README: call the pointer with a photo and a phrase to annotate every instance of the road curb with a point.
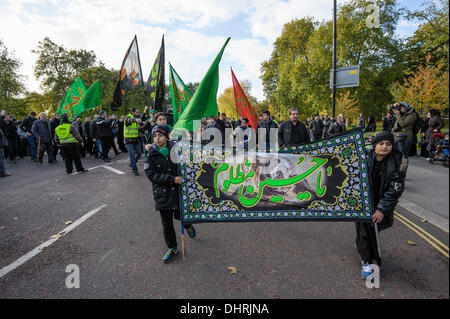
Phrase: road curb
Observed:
(423, 213)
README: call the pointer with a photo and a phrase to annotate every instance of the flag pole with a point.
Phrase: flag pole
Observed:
(182, 240)
(378, 239)
(37, 155)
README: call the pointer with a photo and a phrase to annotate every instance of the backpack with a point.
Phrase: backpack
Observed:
(419, 123)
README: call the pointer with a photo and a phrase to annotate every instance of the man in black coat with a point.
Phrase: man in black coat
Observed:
(387, 185)
(388, 122)
(27, 124)
(292, 132)
(268, 124)
(54, 123)
(316, 127)
(103, 132)
(163, 173)
(337, 127)
(10, 133)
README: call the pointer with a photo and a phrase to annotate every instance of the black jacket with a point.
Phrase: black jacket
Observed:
(336, 129)
(392, 185)
(316, 127)
(161, 171)
(102, 128)
(27, 124)
(285, 130)
(268, 126)
(388, 123)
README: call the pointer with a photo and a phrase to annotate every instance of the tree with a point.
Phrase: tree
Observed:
(227, 103)
(298, 75)
(425, 89)
(11, 82)
(57, 67)
(346, 105)
(430, 38)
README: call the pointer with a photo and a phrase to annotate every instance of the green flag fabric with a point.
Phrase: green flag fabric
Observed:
(179, 92)
(92, 98)
(204, 101)
(72, 100)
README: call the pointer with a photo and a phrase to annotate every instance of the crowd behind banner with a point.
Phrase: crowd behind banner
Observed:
(35, 135)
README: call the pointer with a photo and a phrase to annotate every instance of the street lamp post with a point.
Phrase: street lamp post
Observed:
(333, 103)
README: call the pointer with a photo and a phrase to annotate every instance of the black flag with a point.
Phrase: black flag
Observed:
(130, 75)
(154, 88)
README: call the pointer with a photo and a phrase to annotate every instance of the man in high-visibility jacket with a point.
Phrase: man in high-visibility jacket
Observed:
(68, 138)
(131, 138)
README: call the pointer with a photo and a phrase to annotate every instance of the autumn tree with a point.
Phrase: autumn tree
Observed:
(425, 89)
(226, 101)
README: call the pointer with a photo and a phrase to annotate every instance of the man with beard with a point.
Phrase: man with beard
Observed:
(292, 132)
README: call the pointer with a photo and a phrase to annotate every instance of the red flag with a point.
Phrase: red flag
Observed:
(243, 106)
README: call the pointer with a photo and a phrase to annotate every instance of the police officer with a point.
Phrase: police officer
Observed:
(68, 137)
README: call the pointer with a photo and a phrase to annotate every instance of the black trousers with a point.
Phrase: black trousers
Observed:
(121, 144)
(107, 143)
(167, 217)
(45, 147)
(71, 153)
(366, 242)
(89, 146)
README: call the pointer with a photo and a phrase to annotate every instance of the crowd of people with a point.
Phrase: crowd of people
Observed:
(149, 133)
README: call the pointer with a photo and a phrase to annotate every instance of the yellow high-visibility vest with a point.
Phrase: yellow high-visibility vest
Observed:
(64, 135)
(131, 131)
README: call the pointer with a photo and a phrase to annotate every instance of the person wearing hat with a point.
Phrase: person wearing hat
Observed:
(67, 137)
(387, 183)
(163, 173)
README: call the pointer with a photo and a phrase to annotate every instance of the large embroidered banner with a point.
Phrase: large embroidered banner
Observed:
(326, 180)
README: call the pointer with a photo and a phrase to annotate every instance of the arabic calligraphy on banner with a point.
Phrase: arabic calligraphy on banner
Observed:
(326, 180)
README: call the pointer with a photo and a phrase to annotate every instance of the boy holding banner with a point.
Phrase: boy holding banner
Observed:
(163, 173)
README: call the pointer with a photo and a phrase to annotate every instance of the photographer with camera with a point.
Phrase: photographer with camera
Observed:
(405, 120)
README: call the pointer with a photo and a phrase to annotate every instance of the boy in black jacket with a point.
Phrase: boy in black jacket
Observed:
(163, 173)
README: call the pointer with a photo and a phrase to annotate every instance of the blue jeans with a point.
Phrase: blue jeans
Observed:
(32, 144)
(403, 146)
(134, 152)
(2, 161)
(98, 143)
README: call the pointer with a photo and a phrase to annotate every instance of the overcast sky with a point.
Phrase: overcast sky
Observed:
(194, 30)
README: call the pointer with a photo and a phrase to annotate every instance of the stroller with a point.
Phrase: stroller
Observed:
(441, 153)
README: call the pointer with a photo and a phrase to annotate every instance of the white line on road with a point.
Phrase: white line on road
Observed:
(113, 170)
(41, 247)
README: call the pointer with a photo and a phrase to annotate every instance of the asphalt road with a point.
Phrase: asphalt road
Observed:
(118, 249)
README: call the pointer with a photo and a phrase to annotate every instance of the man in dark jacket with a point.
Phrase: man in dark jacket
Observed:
(292, 132)
(326, 125)
(42, 131)
(337, 127)
(54, 123)
(163, 173)
(387, 185)
(388, 122)
(120, 137)
(267, 124)
(169, 115)
(2, 155)
(316, 127)
(10, 133)
(27, 124)
(104, 133)
(88, 143)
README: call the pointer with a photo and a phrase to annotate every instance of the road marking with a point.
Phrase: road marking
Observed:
(107, 254)
(103, 165)
(113, 170)
(421, 235)
(423, 231)
(41, 247)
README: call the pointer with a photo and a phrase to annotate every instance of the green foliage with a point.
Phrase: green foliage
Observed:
(11, 82)
(298, 72)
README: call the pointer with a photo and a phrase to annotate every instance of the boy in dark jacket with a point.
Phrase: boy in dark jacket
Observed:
(387, 185)
(163, 173)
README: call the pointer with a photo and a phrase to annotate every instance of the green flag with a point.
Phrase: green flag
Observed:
(92, 98)
(179, 92)
(72, 100)
(204, 101)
